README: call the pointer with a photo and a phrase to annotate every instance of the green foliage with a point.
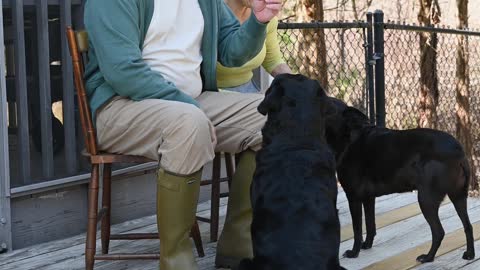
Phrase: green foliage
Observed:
(345, 81)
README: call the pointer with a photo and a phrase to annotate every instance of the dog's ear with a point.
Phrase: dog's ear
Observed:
(272, 100)
(329, 105)
(337, 104)
(354, 118)
(320, 90)
(333, 107)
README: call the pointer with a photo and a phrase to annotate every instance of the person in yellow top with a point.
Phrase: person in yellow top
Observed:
(239, 79)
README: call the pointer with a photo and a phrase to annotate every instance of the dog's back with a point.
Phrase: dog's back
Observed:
(398, 161)
(374, 161)
(295, 222)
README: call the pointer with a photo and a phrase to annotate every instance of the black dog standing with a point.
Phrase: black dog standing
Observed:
(295, 222)
(374, 161)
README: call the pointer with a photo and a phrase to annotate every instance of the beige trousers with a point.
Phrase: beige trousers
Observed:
(179, 134)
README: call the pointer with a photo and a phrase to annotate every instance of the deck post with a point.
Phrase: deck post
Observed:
(5, 214)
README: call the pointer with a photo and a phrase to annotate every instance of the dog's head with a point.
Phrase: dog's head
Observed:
(344, 126)
(355, 119)
(335, 125)
(295, 104)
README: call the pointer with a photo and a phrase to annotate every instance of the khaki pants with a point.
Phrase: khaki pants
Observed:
(178, 134)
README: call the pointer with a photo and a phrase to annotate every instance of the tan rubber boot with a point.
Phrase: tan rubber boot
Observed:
(177, 198)
(235, 242)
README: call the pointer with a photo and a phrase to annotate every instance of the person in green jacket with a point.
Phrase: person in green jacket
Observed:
(151, 84)
(239, 79)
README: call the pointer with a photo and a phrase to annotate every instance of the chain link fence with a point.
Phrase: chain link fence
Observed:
(336, 55)
(341, 69)
(403, 65)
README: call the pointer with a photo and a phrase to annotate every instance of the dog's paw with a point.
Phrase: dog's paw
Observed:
(468, 255)
(367, 245)
(424, 258)
(350, 254)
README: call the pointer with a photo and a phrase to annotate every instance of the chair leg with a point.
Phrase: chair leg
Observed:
(92, 219)
(106, 204)
(197, 238)
(215, 200)
(229, 167)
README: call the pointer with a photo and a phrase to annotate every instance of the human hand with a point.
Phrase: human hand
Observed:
(265, 10)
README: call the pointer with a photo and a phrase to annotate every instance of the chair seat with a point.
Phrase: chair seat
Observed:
(103, 158)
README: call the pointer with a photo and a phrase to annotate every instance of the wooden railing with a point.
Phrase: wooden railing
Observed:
(39, 73)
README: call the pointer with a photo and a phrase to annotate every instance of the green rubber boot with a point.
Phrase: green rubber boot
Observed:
(177, 198)
(235, 242)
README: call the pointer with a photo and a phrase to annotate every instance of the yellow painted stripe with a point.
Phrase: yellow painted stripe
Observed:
(407, 259)
(387, 218)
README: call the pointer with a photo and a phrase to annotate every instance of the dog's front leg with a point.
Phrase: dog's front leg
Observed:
(356, 213)
(369, 209)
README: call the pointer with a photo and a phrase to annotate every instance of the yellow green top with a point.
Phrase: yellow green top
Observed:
(269, 57)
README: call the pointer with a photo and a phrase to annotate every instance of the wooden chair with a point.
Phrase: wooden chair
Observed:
(78, 44)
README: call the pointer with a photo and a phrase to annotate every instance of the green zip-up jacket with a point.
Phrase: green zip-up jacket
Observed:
(117, 29)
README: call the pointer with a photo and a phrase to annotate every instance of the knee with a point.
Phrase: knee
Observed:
(187, 144)
(194, 126)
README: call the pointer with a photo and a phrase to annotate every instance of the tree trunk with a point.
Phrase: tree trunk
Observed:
(354, 9)
(312, 49)
(429, 14)
(463, 91)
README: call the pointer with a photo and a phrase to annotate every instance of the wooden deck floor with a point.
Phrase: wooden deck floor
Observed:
(402, 235)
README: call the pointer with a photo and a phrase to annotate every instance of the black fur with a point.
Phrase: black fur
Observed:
(373, 161)
(295, 222)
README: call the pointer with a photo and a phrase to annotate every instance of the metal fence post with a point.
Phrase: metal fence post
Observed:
(379, 42)
(5, 214)
(369, 68)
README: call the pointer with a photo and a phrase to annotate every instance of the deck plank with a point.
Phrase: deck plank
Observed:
(475, 265)
(407, 259)
(70, 251)
(409, 233)
(46, 249)
(383, 204)
(453, 260)
(68, 254)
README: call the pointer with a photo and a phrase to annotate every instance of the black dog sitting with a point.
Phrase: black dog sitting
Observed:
(295, 223)
(374, 161)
